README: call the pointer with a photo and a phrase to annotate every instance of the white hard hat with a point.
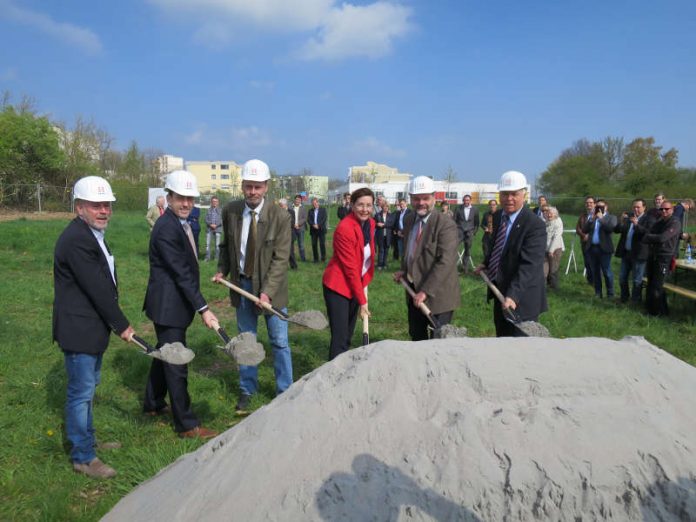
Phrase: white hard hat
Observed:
(421, 185)
(93, 188)
(255, 170)
(183, 183)
(512, 180)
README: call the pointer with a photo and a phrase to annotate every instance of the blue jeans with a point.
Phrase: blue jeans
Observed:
(601, 265)
(637, 268)
(84, 373)
(247, 320)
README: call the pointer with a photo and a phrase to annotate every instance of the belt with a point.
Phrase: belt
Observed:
(242, 276)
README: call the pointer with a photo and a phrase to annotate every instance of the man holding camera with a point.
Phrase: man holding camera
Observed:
(633, 253)
(599, 228)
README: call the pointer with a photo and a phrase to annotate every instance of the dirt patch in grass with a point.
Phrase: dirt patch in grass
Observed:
(13, 215)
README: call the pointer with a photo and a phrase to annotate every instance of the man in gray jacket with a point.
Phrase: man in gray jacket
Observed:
(429, 260)
(599, 229)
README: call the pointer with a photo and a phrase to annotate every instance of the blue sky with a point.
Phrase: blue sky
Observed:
(482, 86)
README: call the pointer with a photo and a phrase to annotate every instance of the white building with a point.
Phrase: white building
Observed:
(452, 192)
(168, 163)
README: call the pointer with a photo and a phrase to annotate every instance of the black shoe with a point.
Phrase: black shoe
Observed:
(243, 405)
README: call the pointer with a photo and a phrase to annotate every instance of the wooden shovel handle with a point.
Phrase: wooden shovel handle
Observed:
(366, 325)
(424, 308)
(221, 332)
(510, 314)
(269, 307)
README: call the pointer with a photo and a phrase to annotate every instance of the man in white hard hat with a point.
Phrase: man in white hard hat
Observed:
(85, 312)
(254, 254)
(172, 300)
(429, 261)
(515, 263)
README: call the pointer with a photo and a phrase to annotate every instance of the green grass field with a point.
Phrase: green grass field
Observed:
(36, 480)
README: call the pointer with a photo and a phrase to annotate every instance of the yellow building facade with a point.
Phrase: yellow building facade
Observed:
(217, 176)
(376, 173)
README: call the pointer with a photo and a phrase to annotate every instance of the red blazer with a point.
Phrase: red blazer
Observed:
(342, 274)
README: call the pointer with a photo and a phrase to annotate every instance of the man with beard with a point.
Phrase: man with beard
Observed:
(429, 262)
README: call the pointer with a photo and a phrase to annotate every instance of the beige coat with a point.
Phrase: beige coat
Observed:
(153, 214)
(272, 255)
(434, 266)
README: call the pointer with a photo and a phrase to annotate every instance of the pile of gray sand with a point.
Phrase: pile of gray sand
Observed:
(453, 429)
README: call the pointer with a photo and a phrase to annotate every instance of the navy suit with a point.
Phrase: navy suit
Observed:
(173, 296)
(318, 235)
(521, 273)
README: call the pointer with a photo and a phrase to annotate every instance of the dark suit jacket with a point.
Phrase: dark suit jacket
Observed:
(173, 291)
(521, 276)
(606, 228)
(302, 221)
(383, 234)
(321, 221)
(85, 305)
(639, 251)
(467, 227)
(434, 265)
(396, 217)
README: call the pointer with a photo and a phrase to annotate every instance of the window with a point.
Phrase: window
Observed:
(224, 166)
(213, 176)
(451, 195)
(225, 187)
(224, 176)
(213, 186)
(213, 166)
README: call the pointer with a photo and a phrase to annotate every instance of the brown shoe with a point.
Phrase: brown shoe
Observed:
(158, 413)
(199, 432)
(95, 468)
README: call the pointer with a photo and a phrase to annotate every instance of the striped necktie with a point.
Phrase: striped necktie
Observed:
(189, 234)
(496, 256)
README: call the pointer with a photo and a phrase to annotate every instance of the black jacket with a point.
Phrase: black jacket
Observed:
(85, 305)
(639, 250)
(606, 228)
(321, 221)
(173, 291)
(663, 237)
(521, 276)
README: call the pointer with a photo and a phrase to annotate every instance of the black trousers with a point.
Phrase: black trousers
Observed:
(418, 323)
(655, 297)
(343, 313)
(173, 378)
(318, 236)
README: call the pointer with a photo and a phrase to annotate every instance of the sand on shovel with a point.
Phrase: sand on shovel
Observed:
(449, 331)
(245, 350)
(173, 353)
(513, 429)
(311, 319)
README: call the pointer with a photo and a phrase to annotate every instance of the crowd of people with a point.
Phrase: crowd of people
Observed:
(253, 242)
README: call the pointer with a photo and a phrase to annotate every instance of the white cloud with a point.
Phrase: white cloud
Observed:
(359, 31)
(238, 141)
(80, 37)
(261, 85)
(194, 138)
(339, 30)
(247, 138)
(372, 146)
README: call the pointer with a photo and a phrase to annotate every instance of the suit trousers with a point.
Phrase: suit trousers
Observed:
(298, 236)
(318, 237)
(601, 265)
(655, 297)
(343, 314)
(418, 323)
(467, 240)
(173, 378)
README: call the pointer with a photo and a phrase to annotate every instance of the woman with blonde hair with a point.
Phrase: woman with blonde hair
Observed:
(554, 246)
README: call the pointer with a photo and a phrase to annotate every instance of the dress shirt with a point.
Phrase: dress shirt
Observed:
(99, 235)
(246, 222)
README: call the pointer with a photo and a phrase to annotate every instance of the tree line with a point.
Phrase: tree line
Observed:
(37, 153)
(611, 168)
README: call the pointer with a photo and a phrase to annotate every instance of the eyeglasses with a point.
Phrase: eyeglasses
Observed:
(367, 206)
(665, 209)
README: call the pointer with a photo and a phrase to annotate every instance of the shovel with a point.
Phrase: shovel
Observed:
(172, 353)
(445, 331)
(366, 326)
(524, 328)
(243, 349)
(311, 318)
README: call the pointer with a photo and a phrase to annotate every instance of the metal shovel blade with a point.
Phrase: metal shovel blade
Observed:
(245, 350)
(173, 353)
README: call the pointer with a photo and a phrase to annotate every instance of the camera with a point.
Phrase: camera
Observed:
(631, 215)
(598, 209)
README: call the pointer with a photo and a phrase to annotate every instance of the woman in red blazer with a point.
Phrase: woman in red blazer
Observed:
(350, 270)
